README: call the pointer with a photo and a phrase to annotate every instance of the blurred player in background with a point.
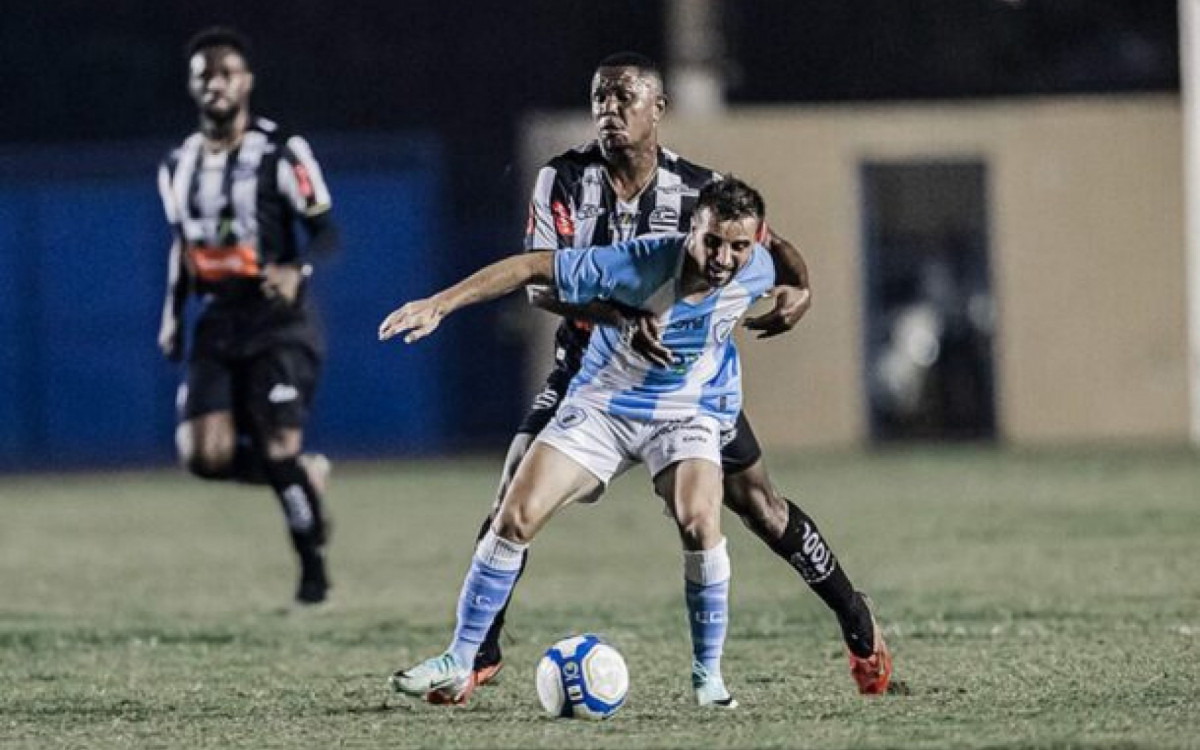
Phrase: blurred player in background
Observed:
(624, 185)
(233, 193)
(622, 409)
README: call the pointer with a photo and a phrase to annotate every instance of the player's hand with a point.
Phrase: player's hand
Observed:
(281, 282)
(646, 340)
(170, 340)
(791, 302)
(416, 320)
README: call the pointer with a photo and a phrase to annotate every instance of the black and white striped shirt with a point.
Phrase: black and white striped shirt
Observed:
(574, 205)
(236, 210)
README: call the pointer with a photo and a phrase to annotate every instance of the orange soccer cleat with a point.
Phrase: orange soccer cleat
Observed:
(872, 674)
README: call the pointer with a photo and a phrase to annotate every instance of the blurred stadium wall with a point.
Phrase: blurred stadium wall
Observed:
(1084, 226)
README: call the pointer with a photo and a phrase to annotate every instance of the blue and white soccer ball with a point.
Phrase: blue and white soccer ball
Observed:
(582, 677)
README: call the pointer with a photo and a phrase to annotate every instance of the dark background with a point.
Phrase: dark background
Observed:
(455, 78)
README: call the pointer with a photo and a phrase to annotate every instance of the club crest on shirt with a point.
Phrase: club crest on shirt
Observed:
(724, 329)
(589, 211)
(664, 219)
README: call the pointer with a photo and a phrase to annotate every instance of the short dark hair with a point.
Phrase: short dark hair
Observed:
(629, 60)
(732, 199)
(644, 64)
(219, 36)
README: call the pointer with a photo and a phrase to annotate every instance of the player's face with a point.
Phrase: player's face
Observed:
(219, 82)
(719, 249)
(626, 108)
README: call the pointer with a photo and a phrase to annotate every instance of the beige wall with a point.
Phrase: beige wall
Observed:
(1086, 232)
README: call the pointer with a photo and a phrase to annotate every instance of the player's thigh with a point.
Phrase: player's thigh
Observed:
(517, 449)
(276, 393)
(684, 457)
(206, 431)
(740, 449)
(541, 412)
(546, 480)
(692, 491)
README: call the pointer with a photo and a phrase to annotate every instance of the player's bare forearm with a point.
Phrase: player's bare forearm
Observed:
(420, 318)
(790, 268)
(792, 293)
(499, 278)
(177, 280)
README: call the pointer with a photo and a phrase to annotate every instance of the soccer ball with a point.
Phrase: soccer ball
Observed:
(582, 677)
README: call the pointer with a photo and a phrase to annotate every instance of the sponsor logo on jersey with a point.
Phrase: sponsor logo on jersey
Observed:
(689, 324)
(563, 223)
(303, 181)
(589, 211)
(223, 262)
(664, 219)
(678, 189)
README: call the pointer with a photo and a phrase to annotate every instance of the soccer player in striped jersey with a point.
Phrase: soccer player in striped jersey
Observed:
(233, 193)
(625, 184)
(622, 409)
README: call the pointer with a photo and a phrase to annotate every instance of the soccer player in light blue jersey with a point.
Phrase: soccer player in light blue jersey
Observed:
(620, 410)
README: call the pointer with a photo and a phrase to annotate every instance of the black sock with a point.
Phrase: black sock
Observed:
(489, 650)
(305, 518)
(805, 549)
(248, 464)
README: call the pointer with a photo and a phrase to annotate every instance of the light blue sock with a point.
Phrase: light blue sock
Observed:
(706, 585)
(493, 573)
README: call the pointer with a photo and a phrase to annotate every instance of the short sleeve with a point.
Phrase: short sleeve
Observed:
(300, 179)
(628, 272)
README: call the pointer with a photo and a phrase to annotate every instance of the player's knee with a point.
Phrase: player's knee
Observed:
(208, 464)
(514, 524)
(699, 530)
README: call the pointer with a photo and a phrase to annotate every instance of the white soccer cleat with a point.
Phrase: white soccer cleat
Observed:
(710, 689)
(442, 679)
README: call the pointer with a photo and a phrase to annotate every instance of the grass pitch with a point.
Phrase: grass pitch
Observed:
(1031, 601)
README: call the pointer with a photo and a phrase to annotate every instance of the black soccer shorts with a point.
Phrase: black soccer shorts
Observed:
(268, 391)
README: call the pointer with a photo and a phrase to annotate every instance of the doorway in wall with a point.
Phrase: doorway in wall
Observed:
(929, 304)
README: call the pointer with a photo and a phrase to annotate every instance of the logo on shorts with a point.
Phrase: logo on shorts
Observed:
(281, 393)
(571, 416)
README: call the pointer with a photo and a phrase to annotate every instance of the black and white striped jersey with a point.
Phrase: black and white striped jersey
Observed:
(236, 210)
(574, 205)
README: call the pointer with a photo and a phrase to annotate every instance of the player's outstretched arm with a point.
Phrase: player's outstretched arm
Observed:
(418, 319)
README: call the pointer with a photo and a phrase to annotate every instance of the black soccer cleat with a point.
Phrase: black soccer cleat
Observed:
(488, 663)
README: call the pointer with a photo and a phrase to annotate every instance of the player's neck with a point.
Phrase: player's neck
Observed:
(693, 285)
(223, 135)
(631, 171)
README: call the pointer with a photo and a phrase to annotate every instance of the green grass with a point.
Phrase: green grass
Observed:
(1048, 600)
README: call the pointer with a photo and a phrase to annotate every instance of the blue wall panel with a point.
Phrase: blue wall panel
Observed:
(101, 281)
(377, 397)
(83, 249)
(12, 324)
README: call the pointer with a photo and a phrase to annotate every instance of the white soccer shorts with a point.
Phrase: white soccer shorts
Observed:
(607, 445)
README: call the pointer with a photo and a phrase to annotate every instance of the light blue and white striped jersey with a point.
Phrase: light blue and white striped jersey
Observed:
(644, 273)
